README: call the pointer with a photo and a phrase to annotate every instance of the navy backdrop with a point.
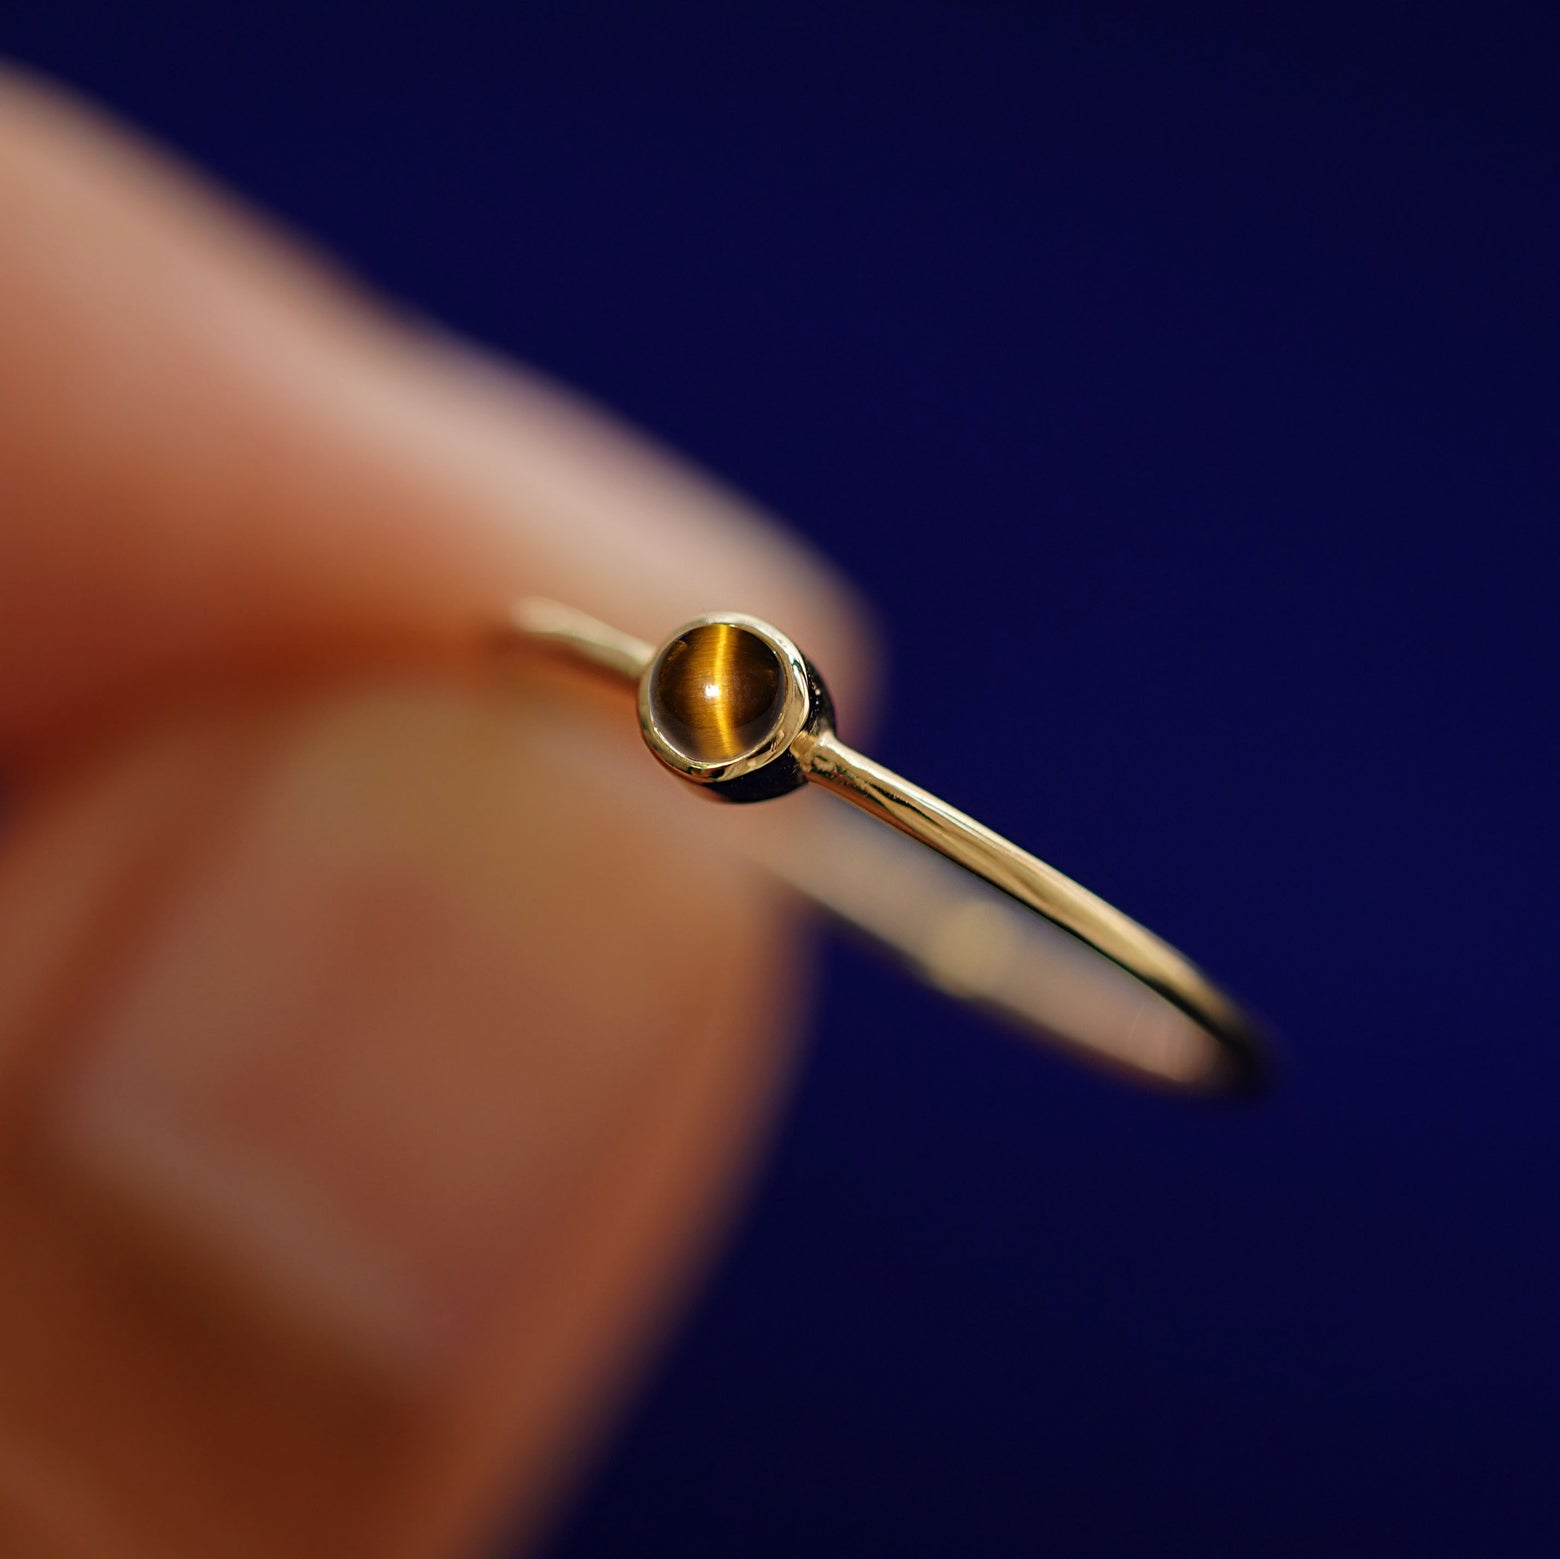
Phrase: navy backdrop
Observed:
(1226, 347)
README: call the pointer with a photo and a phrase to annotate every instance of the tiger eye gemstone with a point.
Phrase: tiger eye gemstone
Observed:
(717, 692)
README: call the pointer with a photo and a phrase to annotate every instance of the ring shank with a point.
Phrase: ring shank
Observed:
(1066, 905)
(978, 945)
(1167, 1023)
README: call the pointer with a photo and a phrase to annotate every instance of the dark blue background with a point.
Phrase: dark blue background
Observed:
(1226, 349)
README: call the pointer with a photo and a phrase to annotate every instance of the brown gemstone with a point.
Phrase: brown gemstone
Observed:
(717, 692)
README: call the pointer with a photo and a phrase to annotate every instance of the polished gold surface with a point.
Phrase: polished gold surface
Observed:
(717, 691)
(1148, 1011)
(724, 697)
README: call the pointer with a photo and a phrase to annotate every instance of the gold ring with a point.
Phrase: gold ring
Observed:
(730, 704)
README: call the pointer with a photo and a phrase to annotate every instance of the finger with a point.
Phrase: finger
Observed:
(297, 1182)
(214, 459)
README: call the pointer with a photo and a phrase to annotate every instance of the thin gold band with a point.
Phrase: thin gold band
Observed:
(1172, 1026)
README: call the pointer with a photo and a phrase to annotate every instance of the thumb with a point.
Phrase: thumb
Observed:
(358, 1120)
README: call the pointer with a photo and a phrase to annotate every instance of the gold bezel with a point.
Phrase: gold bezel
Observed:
(794, 709)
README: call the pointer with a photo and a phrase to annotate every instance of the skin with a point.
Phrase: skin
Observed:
(364, 1109)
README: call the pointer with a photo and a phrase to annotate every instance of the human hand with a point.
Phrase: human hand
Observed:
(378, 1047)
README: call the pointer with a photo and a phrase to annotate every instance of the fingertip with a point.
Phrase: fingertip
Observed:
(230, 462)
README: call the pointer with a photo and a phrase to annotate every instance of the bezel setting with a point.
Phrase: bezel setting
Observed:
(796, 705)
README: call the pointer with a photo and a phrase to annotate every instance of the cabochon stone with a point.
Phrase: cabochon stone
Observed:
(717, 692)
